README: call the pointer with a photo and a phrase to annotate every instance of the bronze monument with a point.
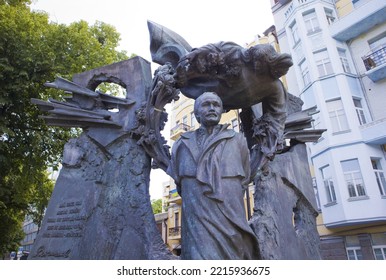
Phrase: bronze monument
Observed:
(100, 207)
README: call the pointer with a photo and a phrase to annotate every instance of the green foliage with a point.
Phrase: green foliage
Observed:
(40, 197)
(156, 205)
(15, 2)
(32, 52)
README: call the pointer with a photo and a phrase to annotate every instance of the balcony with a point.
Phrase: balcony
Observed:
(375, 64)
(176, 131)
(174, 232)
(174, 197)
(359, 21)
(283, 2)
(176, 200)
(374, 133)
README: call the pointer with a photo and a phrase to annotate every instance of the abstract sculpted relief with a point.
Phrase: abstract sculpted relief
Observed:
(108, 167)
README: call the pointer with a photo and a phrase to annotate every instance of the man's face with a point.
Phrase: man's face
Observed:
(210, 110)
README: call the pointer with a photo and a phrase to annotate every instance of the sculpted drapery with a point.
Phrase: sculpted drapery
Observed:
(212, 173)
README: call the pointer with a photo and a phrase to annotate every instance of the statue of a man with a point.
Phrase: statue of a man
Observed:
(211, 169)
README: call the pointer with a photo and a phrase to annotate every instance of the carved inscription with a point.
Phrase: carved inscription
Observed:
(43, 253)
(68, 221)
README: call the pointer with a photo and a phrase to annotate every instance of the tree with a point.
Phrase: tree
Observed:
(32, 52)
(40, 197)
(156, 205)
(14, 2)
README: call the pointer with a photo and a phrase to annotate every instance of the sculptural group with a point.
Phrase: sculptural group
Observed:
(103, 186)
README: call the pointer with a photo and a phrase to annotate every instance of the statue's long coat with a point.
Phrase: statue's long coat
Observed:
(212, 181)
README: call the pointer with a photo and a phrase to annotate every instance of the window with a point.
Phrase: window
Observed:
(295, 33)
(305, 73)
(380, 252)
(329, 16)
(192, 119)
(377, 54)
(355, 1)
(185, 120)
(359, 111)
(315, 187)
(176, 127)
(354, 253)
(235, 125)
(176, 219)
(344, 61)
(323, 63)
(316, 123)
(353, 177)
(311, 21)
(328, 184)
(379, 175)
(337, 116)
(378, 42)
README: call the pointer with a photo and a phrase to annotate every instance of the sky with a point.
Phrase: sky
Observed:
(199, 22)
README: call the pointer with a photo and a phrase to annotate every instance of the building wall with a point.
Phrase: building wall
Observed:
(30, 229)
(375, 92)
(336, 81)
(348, 210)
(344, 7)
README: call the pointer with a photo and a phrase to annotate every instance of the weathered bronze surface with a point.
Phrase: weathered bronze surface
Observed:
(100, 207)
(246, 79)
(211, 169)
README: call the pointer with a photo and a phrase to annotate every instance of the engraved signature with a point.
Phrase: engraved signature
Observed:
(42, 253)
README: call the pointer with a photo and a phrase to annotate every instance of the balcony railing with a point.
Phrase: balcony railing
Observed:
(180, 128)
(375, 64)
(375, 59)
(175, 231)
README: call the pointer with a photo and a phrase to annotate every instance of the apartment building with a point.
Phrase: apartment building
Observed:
(30, 229)
(339, 53)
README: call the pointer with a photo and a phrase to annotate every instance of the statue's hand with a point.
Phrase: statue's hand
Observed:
(180, 76)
